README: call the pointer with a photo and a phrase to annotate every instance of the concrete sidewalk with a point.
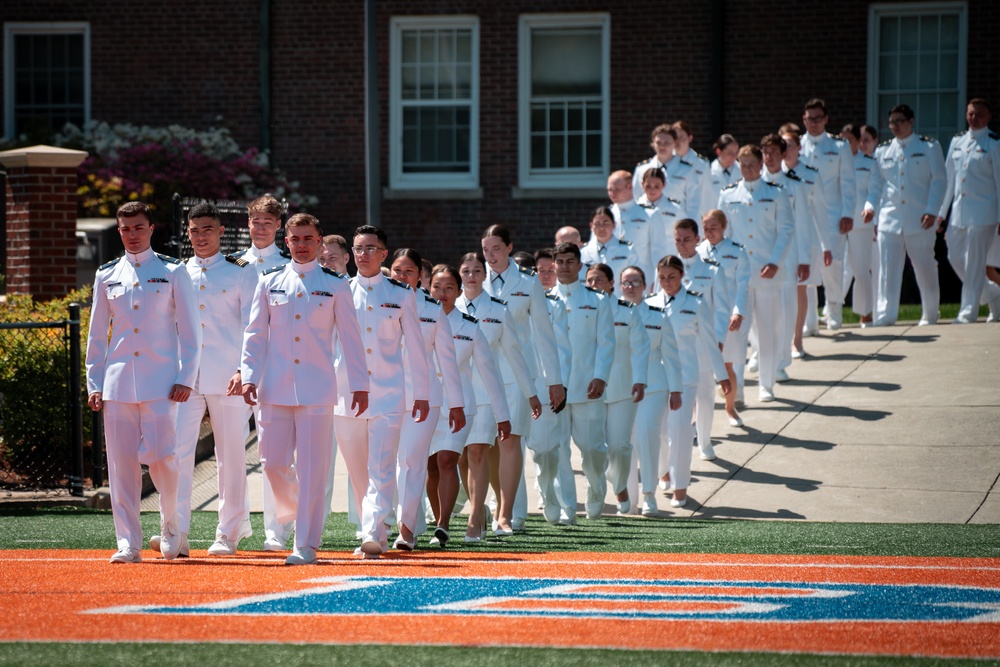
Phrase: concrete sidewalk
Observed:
(898, 424)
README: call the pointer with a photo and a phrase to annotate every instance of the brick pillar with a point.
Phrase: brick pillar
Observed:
(41, 220)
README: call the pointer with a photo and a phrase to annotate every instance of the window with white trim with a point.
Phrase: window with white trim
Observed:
(46, 77)
(564, 100)
(434, 102)
(917, 56)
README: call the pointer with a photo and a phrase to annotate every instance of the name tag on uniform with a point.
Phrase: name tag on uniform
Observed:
(520, 294)
(619, 257)
(492, 320)
(114, 290)
(461, 337)
(766, 201)
(157, 280)
(319, 293)
(621, 324)
(277, 291)
(688, 312)
(654, 327)
(586, 307)
(730, 257)
(831, 153)
(430, 320)
(390, 305)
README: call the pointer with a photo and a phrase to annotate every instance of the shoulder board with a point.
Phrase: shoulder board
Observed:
(683, 161)
(773, 185)
(836, 137)
(502, 302)
(675, 201)
(885, 143)
(430, 299)
(623, 302)
(625, 242)
(168, 259)
(642, 162)
(594, 290)
(108, 265)
(929, 140)
(551, 296)
(274, 269)
(655, 308)
(958, 134)
(868, 157)
(731, 186)
(792, 176)
(236, 255)
(738, 245)
(810, 167)
(397, 283)
(700, 155)
(647, 205)
(470, 318)
(710, 261)
(285, 254)
(994, 136)
(524, 269)
(237, 261)
(693, 293)
(332, 272)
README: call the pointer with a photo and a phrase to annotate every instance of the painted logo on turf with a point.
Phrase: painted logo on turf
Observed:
(632, 599)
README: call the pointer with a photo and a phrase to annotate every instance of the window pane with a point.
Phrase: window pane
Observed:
(908, 73)
(949, 32)
(928, 71)
(566, 61)
(952, 118)
(428, 46)
(574, 152)
(889, 34)
(538, 152)
(929, 33)
(409, 80)
(463, 46)
(409, 46)
(557, 147)
(428, 89)
(593, 117)
(436, 140)
(949, 70)
(595, 158)
(574, 118)
(557, 118)
(909, 33)
(927, 113)
(888, 72)
(463, 82)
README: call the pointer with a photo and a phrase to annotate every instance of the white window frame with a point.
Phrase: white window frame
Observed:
(430, 181)
(577, 179)
(37, 28)
(880, 10)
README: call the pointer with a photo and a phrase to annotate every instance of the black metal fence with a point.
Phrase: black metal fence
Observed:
(234, 219)
(42, 430)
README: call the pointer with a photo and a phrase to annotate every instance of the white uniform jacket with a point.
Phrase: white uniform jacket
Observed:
(685, 176)
(264, 259)
(667, 212)
(147, 303)
(471, 345)
(498, 328)
(640, 170)
(224, 289)
(590, 330)
(807, 235)
(718, 178)
(616, 253)
(833, 196)
(707, 277)
(760, 215)
(525, 299)
(631, 362)
(386, 311)
(691, 318)
(288, 346)
(664, 370)
(908, 182)
(736, 264)
(864, 165)
(634, 224)
(973, 167)
(440, 351)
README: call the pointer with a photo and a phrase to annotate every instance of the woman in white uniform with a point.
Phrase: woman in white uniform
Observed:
(415, 437)
(470, 345)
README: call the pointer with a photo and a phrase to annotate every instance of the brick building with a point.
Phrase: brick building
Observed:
(488, 112)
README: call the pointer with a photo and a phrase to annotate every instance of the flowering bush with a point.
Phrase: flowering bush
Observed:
(128, 162)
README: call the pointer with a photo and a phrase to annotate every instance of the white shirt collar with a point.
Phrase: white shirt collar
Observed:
(139, 258)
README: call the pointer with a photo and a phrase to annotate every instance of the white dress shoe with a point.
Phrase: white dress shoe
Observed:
(501, 532)
(707, 453)
(302, 556)
(274, 544)
(566, 519)
(649, 507)
(798, 353)
(624, 506)
(765, 395)
(678, 503)
(551, 513)
(595, 508)
(172, 545)
(663, 485)
(223, 546)
(154, 542)
(781, 376)
(370, 547)
(403, 545)
(127, 555)
(753, 365)
(517, 523)
(808, 332)
(736, 421)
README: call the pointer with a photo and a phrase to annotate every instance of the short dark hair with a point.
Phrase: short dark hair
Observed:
(336, 239)
(605, 269)
(774, 139)
(642, 274)
(544, 253)
(133, 209)
(815, 103)
(687, 223)
(524, 259)
(499, 231)
(412, 255)
(903, 109)
(378, 232)
(870, 130)
(980, 102)
(568, 249)
(852, 129)
(302, 220)
(204, 210)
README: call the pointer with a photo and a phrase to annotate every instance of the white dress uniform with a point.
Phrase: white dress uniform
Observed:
(703, 171)
(707, 277)
(415, 439)
(833, 199)
(265, 259)
(691, 319)
(617, 253)
(667, 212)
(861, 242)
(591, 335)
(630, 366)
(633, 223)
(640, 170)
(718, 178)
(908, 182)
(386, 311)
(736, 270)
(472, 346)
(973, 194)
(761, 217)
(288, 353)
(224, 289)
(146, 304)
(663, 376)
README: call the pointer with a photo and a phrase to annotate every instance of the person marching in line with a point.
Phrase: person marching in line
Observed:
(700, 166)
(632, 220)
(591, 335)
(497, 326)
(664, 387)
(288, 367)
(666, 213)
(386, 311)
(861, 238)
(722, 173)
(736, 269)
(907, 187)
(446, 402)
(526, 305)
(264, 222)
(626, 383)
(471, 346)
(761, 217)
(682, 184)
(605, 245)
(691, 318)
(224, 288)
(143, 351)
(973, 195)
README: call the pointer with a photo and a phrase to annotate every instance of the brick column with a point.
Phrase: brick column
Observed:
(41, 220)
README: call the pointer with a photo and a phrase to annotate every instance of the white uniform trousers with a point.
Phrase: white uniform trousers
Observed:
(680, 440)
(860, 245)
(273, 529)
(588, 428)
(295, 449)
(967, 249)
(704, 400)
(833, 275)
(369, 449)
(649, 416)
(547, 433)
(789, 305)
(621, 421)
(411, 465)
(141, 434)
(765, 303)
(812, 308)
(230, 418)
(893, 250)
